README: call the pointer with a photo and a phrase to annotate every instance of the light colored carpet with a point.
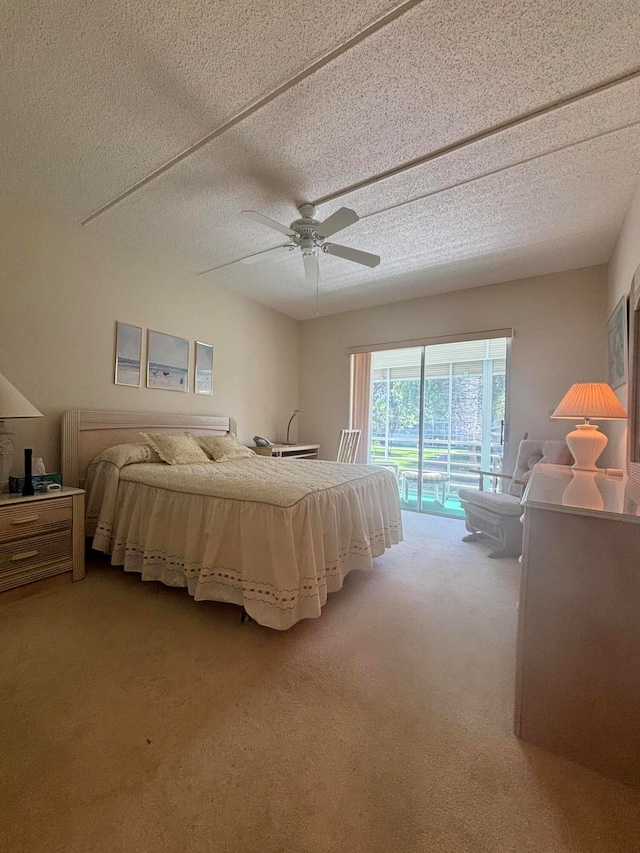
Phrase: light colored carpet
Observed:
(134, 719)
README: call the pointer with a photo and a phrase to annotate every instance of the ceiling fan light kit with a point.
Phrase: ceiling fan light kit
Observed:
(309, 235)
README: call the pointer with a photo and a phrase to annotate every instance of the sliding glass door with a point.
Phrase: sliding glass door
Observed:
(438, 413)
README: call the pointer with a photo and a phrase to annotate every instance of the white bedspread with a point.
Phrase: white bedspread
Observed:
(273, 535)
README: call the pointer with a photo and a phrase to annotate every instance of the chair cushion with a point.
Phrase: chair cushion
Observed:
(529, 453)
(496, 502)
(556, 453)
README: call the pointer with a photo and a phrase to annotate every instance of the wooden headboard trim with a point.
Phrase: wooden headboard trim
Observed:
(98, 430)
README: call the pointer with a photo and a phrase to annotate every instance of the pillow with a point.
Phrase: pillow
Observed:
(224, 448)
(176, 449)
(127, 454)
(556, 453)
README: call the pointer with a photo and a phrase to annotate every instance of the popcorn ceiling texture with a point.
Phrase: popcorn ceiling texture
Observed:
(95, 99)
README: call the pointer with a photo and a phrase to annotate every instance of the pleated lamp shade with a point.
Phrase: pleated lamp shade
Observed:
(588, 400)
(13, 404)
(593, 400)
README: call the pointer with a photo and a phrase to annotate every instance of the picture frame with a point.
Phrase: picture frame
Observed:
(633, 398)
(618, 343)
(167, 362)
(203, 380)
(128, 357)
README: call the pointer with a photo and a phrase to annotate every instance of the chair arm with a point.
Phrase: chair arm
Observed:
(496, 474)
(492, 474)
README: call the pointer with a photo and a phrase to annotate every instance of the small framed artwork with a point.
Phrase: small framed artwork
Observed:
(617, 336)
(167, 362)
(128, 354)
(204, 368)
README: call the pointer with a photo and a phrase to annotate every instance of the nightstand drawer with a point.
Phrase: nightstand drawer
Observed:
(24, 555)
(34, 517)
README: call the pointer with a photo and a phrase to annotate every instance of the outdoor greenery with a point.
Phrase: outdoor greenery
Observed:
(403, 412)
(452, 428)
(452, 447)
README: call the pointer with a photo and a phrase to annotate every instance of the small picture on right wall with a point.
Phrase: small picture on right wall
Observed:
(617, 335)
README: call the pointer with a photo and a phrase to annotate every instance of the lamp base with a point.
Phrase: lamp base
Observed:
(586, 444)
(6, 456)
(583, 491)
(290, 443)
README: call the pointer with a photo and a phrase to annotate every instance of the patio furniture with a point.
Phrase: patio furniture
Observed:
(391, 466)
(438, 479)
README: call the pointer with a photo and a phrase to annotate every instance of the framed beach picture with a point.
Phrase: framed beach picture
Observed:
(204, 368)
(167, 362)
(128, 354)
(617, 336)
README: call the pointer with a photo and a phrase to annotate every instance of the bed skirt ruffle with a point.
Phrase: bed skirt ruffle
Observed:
(278, 562)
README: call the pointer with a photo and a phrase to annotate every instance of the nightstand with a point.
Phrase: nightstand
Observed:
(41, 535)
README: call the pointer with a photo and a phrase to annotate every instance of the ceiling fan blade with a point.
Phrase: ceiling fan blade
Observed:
(311, 270)
(342, 218)
(276, 251)
(349, 254)
(270, 223)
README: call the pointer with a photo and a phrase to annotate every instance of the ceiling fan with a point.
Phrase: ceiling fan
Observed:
(309, 235)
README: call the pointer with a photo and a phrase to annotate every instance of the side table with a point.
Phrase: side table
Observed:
(41, 535)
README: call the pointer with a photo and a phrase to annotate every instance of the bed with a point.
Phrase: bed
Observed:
(274, 536)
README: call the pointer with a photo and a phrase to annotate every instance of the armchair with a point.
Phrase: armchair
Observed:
(494, 517)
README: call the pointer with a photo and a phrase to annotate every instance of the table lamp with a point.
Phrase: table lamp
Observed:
(12, 405)
(588, 400)
(293, 414)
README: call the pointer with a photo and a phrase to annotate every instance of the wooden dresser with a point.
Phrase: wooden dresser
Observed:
(41, 535)
(578, 657)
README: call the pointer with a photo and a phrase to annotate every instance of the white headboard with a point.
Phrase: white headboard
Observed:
(85, 434)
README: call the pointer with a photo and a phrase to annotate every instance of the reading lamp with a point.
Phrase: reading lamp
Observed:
(293, 414)
(588, 400)
(12, 405)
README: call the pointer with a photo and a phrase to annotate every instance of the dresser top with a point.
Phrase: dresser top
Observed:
(13, 498)
(561, 489)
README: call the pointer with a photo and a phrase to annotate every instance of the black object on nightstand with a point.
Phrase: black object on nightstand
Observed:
(27, 488)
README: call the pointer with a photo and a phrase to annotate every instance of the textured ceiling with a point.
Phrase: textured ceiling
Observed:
(157, 123)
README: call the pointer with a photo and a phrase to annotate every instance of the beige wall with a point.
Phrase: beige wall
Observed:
(63, 288)
(558, 322)
(622, 266)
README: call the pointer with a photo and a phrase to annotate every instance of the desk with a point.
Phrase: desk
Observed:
(434, 478)
(289, 451)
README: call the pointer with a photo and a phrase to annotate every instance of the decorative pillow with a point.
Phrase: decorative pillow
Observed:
(176, 449)
(556, 453)
(127, 454)
(224, 448)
